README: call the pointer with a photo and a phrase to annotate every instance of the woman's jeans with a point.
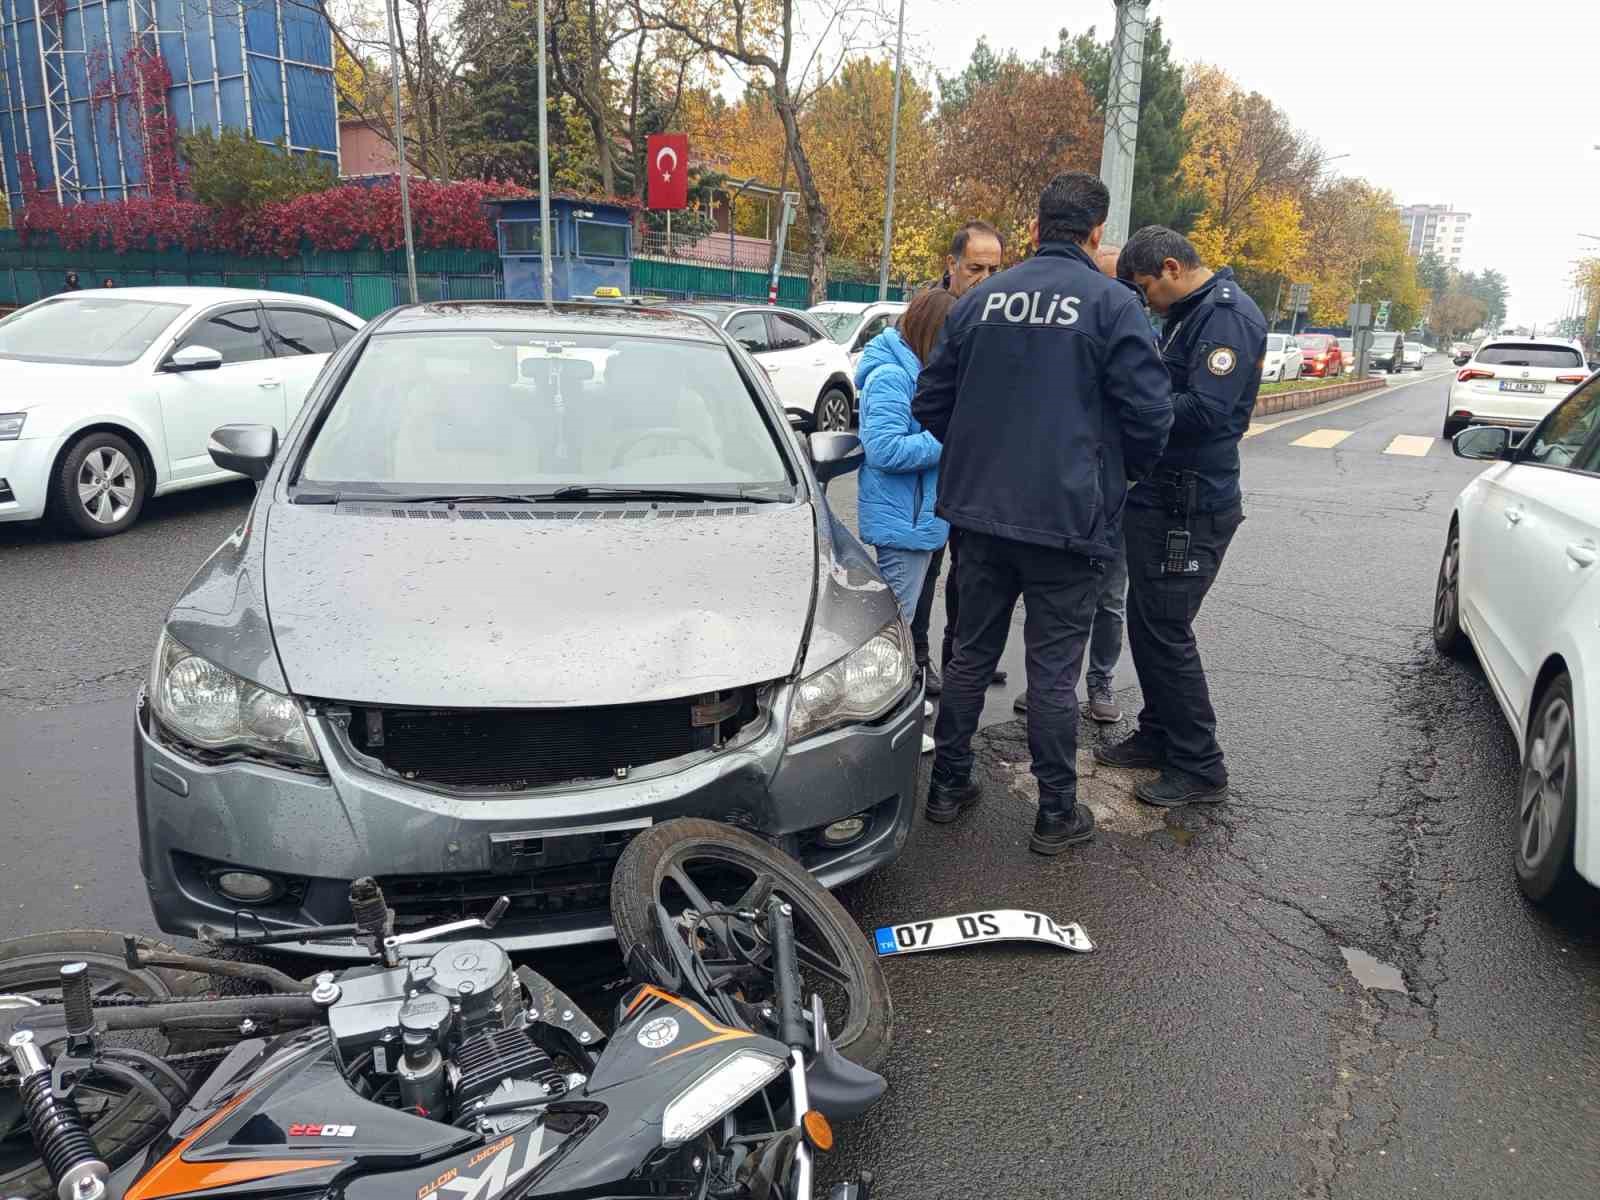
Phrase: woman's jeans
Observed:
(904, 570)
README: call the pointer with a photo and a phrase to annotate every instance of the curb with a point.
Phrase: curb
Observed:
(1281, 402)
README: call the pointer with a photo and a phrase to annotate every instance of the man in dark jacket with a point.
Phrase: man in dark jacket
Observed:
(1178, 524)
(1047, 394)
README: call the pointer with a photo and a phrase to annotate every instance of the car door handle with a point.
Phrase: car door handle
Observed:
(1583, 553)
(270, 383)
(1513, 515)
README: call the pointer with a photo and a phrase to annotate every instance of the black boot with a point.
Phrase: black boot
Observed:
(932, 681)
(949, 798)
(1136, 751)
(1176, 788)
(1058, 829)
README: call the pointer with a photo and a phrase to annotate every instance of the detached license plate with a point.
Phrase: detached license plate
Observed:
(968, 929)
(1519, 385)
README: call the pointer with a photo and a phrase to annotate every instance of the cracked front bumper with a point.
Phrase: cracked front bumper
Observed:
(442, 855)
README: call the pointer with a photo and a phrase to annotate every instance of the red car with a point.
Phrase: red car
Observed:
(1323, 358)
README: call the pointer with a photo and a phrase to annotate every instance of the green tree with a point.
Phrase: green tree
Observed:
(232, 170)
(1160, 196)
(1434, 274)
(1488, 286)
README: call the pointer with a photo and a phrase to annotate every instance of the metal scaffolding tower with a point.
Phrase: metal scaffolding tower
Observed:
(48, 18)
(1122, 115)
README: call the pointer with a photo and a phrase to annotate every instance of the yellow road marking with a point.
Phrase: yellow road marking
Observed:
(1323, 439)
(1408, 443)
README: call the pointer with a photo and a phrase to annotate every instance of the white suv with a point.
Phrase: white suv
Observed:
(1514, 382)
(812, 373)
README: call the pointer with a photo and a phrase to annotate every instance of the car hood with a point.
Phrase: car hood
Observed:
(27, 385)
(562, 609)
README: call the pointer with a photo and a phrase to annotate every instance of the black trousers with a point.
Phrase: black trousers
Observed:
(1161, 611)
(924, 611)
(1059, 589)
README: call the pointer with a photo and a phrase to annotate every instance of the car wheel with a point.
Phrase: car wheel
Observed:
(833, 411)
(1451, 428)
(1447, 635)
(99, 487)
(1547, 798)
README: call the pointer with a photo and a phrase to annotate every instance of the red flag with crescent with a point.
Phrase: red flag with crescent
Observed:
(667, 157)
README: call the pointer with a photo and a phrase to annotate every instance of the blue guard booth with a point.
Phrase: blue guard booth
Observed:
(593, 246)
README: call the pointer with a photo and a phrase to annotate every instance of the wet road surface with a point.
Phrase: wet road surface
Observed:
(1238, 1032)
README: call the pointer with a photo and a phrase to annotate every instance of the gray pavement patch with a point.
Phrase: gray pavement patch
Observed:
(1372, 973)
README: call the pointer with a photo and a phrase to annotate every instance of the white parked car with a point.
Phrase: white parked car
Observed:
(1520, 581)
(854, 324)
(1415, 354)
(1284, 359)
(811, 372)
(109, 397)
(1513, 381)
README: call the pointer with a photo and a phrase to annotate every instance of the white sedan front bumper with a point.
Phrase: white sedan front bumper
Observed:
(25, 470)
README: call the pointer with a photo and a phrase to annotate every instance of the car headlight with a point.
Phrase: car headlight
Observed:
(716, 1094)
(11, 426)
(862, 685)
(214, 709)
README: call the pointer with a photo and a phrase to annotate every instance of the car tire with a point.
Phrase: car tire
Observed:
(1447, 635)
(834, 411)
(1451, 428)
(99, 487)
(1547, 797)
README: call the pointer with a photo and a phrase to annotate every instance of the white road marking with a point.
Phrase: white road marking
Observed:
(1257, 430)
(1323, 439)
(1409, 444)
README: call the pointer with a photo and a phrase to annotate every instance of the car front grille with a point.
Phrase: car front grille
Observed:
(419, 901)
(519, 749)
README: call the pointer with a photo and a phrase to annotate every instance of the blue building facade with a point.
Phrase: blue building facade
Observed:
(593, 247)
(263, 66)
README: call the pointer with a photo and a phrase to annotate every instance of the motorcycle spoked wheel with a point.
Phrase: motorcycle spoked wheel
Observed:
(122, 1122)
(693, 863)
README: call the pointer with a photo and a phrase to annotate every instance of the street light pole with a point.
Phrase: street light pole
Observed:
(391, 10)
(894, 139)
(546, 270)
(1122, 116)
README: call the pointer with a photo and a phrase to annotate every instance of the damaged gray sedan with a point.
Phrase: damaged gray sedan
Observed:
(517, 584)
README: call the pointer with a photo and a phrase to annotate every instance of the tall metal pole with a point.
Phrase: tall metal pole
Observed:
(894, 139)
(546, 270)
(1122, 116)
(392, 11)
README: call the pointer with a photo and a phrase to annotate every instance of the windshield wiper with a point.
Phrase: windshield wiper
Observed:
(313, 496)
(584, 491)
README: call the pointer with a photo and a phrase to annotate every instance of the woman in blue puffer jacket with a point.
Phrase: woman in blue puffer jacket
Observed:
(900, 480)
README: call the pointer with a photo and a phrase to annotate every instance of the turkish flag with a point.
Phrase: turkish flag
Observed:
(667, 159)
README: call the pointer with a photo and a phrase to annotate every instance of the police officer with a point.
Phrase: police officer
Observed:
(1178, 523)
(1047, 394)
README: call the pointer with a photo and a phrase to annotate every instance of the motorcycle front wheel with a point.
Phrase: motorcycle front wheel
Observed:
(121, 1121)
(692, 863)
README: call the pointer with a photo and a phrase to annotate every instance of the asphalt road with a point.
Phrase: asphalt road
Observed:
(1218, 1043)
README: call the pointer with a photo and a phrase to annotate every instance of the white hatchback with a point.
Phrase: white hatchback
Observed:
(811, 373)
(1520, 580)
(853, 324)
(1514, 382)
(1284, 360)
(109, 397)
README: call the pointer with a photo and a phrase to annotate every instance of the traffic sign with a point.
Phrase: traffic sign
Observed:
(1383, 314)
(1299, 297)
(1358, 316)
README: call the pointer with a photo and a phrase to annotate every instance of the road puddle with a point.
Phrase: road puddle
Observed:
(1372, 973)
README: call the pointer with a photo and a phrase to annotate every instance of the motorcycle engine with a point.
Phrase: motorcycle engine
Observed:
(476, 978)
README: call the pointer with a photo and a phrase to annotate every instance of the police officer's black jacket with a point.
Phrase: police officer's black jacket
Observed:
(1212, 346)
(1048, 394)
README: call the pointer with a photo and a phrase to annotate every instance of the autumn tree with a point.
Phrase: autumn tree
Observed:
(769, 38)
(5, 212)
(1489, 286)
(1005, 129)
(1456, 313)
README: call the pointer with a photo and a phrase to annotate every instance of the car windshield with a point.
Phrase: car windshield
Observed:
(1512, 354)
(1384, 341)
(442, 414)
(1312, 341)
(839, 325)
(91, 330)
(1275, 343)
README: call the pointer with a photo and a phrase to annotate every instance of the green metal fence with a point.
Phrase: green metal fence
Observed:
(367, 282)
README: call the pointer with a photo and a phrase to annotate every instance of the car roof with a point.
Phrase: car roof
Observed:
(1512, 339)
(197, 295)
(529, 316)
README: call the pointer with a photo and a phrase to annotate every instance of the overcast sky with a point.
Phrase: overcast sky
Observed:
(1489, 108)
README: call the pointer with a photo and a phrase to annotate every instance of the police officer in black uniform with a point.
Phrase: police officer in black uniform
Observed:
(1179, 522)
(1048, 395)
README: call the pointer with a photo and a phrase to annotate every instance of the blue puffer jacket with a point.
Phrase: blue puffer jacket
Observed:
(900, 480)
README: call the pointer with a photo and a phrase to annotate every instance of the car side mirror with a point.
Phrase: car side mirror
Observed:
(247, 449)
(835, 454)
(1486, 442)
(193, 358)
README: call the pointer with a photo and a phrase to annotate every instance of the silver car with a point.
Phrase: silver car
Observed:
(517, 584)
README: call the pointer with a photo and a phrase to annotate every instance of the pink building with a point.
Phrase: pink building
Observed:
(364, 150)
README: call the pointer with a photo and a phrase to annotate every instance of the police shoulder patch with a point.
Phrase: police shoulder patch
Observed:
(1221, 361)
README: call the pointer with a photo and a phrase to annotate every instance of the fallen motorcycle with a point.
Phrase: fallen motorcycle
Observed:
(753, 1015)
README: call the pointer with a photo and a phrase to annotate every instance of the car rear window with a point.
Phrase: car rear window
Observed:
(1384, 341)
(92, 330)
(1516, 354)
(526, 412)
(1313, 341)
(1275, 342)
